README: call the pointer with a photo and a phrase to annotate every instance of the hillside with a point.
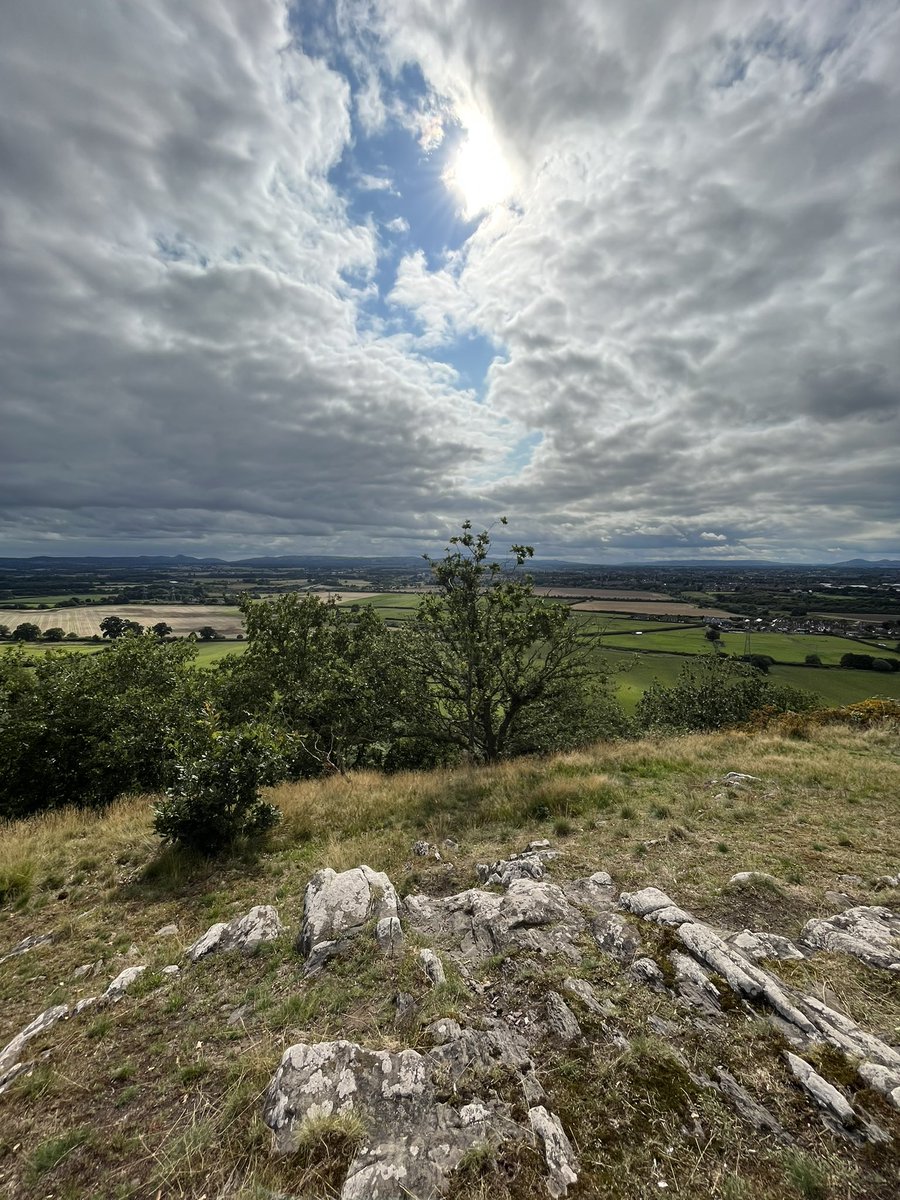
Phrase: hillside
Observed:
(606, 1043)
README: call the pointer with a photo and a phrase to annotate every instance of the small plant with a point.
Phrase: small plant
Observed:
(49, 1154)
(807, 1175)
(215, 800)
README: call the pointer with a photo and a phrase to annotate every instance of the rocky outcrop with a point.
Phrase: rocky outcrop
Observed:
(871, 934)
(246, 933)
(418, 1127)
(122, 983)
(9, 1055)
(337, 907)
(529, 864)
(532, 916)
(30, 943)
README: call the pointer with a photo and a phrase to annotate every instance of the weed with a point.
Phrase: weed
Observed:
(50, 1153)
(807, 1175)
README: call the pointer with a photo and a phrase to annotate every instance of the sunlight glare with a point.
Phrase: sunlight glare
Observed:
(479, 173)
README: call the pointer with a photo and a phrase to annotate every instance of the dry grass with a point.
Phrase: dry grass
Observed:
(161, 1095)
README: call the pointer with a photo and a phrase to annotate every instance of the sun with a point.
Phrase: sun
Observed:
(479, 172)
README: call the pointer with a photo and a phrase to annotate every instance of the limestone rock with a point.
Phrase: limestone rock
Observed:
(432, 966)
(751, 1110)
(532, 915)
(646, 901)
(558, 1151)
(694, 985)
(765, 945)
(745, 878)
(415, 1134)
(617, 937)
(172, 969)
(742, 974)
(881, 1079)
(738, 780)
(562, 1023)
(9, 1076)
(10, 1053)
(586, 994)
(167, 931)
(29, 943)
(122, 983)
(597, 893)
(337, 907)
(647, 972)
(869, 933)
(504, 871)
(824, 1094)
(245, 933)
(846, 1035)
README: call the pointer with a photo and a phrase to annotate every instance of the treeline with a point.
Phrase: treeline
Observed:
(485, 671)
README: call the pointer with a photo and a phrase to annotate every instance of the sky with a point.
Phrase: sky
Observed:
(333, 276)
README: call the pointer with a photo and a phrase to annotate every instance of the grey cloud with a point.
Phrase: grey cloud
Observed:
(697, 291)
(181, 352)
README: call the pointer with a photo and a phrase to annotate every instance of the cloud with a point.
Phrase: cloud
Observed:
(692, 295)
(181, 345)
(696, 289)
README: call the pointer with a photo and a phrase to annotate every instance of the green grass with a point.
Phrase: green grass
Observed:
(634, 673)
(783, 647)
(177, 1091)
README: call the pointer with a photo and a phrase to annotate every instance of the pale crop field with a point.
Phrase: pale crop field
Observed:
(85, 622)
(663, 608)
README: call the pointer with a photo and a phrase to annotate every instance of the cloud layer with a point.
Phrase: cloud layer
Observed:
(692, 294)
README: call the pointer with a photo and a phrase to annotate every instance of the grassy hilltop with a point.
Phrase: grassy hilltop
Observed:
(159, 1094)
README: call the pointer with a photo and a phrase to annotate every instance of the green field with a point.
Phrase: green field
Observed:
(208, 653)
(407, 601)
(783, 647)
(52, 601)
(633, 674)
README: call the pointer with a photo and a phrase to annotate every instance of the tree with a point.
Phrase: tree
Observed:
(5, 631)
(341, 683)
(84, 728)
(206, 633)
(712, 635)
(54, 634)
(488, 647)
(161, 629)
(26, 632)
(115, 627)
(813, 660)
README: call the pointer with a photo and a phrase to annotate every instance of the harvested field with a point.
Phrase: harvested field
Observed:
(588, 593)
(665, 608)
(85, 622)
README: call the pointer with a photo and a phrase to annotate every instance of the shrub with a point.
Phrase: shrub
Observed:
(215, 800)
(715, 693)
(83, 729)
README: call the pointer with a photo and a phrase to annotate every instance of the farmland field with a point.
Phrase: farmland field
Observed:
(589, 593)
(664, 608)
(633, 674)
(783, 647)
(85, 622)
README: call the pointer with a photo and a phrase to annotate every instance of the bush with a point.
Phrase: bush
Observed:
(568, 717)
(813, 660)
(215, 799)
(83, 729)
(715, 693)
